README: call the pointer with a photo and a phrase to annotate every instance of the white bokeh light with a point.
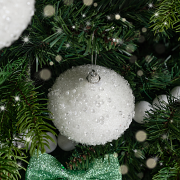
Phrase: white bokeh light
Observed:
(91, 113)
(49, 11)
(14, 19)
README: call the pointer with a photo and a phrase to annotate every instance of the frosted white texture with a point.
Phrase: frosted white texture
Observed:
(15, 16)
(140, 109)
(89, 113)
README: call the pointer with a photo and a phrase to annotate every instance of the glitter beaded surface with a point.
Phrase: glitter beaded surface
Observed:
(14, 19)
(96, 109)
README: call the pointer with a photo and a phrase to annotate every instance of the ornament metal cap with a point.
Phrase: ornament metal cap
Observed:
(93, 77)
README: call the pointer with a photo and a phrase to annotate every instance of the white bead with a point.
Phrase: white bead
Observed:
(51, 144)
(176, 92)
(65, 144)
(160, 100)
(140, 109)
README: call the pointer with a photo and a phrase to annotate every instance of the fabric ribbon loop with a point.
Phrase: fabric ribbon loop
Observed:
(47, 167)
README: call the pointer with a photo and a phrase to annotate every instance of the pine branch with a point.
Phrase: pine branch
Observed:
(166, 16)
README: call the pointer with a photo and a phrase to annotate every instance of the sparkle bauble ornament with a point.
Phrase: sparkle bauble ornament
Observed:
(21, 141)
(65, 144)
(140, 109)
(14, 19)
(51, 144)
(91, 109)
(160, 101)
(176, 92)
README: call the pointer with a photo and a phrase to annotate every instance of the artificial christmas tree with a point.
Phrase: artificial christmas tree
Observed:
(138, 40)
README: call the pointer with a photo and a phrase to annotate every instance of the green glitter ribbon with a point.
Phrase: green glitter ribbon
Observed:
(47, 167)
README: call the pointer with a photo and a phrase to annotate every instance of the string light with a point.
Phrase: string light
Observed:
(150, 5)
(108, 17)
(2, 108)
(16, 98)
(88, 23)
(117, 16)
(156, 14)
(26, 39)
(28, 139)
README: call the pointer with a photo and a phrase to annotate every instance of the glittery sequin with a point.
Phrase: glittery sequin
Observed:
(47, 167)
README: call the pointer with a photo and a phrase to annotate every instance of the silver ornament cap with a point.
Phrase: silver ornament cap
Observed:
(93, 77)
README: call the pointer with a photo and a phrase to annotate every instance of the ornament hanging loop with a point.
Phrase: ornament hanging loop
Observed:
(93, 77)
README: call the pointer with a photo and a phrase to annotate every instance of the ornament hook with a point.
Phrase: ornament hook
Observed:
(93, 77)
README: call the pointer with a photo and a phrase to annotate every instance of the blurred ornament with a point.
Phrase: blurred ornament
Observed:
(14, 19)
(140, 109)
(91, 112)
(65, 144)
(51, 144)
(176, 92)
(21, 140)
(160, 100)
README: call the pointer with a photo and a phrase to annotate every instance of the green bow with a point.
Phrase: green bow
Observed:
(46, 167)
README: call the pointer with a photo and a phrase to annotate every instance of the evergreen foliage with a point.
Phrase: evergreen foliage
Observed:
(52, 36)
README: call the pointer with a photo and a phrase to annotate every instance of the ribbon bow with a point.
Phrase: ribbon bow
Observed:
(47, 167)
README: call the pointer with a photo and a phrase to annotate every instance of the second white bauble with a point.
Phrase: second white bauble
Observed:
(140, 109)
(19, 144)
(65, 144)
(176, 92)
(52, 145)
(161, 99)
(90, 113)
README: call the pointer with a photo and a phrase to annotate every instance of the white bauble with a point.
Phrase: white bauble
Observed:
(22, 136)
(140, 109)
(162, 99)
(52, 145)
(15, 15)
(90, 113)
(65, 144)
(176, 92)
